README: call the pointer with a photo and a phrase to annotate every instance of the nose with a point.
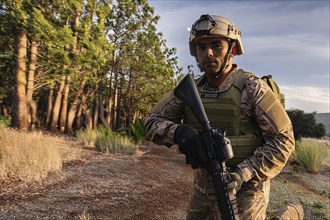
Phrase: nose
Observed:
(209, 52)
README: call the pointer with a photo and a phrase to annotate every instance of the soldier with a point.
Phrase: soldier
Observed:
(255, 121)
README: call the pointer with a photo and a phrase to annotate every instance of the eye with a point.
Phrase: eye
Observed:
(217, 45)
(201, 47)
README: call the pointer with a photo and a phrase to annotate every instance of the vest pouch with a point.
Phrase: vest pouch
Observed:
(243, 147)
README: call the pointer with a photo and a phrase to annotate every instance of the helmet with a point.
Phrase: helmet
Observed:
(214, 26)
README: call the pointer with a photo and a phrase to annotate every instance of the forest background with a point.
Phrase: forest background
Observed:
(65, 65)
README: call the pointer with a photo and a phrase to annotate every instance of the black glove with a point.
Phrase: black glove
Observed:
(236, 180)
(190, 144)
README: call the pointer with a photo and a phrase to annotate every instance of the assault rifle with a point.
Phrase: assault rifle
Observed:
(217, 148)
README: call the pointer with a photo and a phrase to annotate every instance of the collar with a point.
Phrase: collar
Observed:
(225, 85)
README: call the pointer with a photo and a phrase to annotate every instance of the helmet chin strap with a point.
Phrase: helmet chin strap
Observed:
(224, 64)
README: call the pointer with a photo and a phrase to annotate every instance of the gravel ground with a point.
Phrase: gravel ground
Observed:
(154, 184)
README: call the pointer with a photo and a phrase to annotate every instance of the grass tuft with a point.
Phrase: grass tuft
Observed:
(105, 140)
(87, 136)
(4, 121)
(30, 157)
(137, 131)
(311, 154)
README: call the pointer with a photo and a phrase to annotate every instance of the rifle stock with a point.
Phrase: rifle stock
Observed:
(217, 148)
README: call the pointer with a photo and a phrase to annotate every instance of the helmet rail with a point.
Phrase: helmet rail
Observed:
(214, 26)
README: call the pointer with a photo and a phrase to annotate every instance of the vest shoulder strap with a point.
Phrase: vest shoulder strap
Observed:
(241, 77)
(275, 88)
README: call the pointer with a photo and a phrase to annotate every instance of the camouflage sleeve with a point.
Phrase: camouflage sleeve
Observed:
(259, 102)
(162, 121)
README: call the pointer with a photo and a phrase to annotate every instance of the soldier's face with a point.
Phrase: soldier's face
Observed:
(211, 53)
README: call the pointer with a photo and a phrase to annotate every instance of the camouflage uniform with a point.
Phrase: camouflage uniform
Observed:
(266, 162)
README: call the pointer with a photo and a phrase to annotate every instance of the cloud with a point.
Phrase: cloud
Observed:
(288, 39)
(322, 77)
(308, 98)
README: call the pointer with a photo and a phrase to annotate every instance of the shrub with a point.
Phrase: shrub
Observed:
(311, 154)
(115, 143)
(136, 131)
(105, 140)
(305, 124)
(31, 156)
(27, 156)
(87, 136)
(4, 121)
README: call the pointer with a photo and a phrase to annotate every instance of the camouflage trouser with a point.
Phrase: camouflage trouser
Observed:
(252, 204)
(291, 211)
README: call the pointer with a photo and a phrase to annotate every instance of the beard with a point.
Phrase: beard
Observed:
(211, 66)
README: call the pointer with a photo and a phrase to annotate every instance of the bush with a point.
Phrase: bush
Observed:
(86, 136)
(27, 156)
(4, 121)
(136, 131)
(305, 124)
(105, 140)
(115, 143)
(311, 154)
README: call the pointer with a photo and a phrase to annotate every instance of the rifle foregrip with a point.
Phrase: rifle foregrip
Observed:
(227, 202)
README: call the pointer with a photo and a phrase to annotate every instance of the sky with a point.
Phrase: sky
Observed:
(288, 39)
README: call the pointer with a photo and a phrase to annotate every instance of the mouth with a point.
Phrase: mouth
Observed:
(211, 63)
(210, 60)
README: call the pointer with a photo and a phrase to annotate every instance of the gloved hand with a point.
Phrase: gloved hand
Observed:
(190, 144)
(237, 180)
(233, 183)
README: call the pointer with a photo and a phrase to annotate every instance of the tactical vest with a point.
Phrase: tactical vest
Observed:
(223, 111)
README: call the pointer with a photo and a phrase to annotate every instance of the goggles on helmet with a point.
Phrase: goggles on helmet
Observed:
(203, 26)
(213, 26)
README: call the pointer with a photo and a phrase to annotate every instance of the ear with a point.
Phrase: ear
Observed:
(234, 51)
(199, 67)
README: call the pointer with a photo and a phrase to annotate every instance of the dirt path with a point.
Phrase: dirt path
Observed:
(155, 184)
(152, 185)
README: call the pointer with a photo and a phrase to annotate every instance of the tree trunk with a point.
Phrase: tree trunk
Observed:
(109, 107)
(131, 88)
(75, 26)
(110, 97)
(49, 106)
(57, 106)
(73, 108)
(78, 123)
(87, 114)
(115, 102)
(31, 106)
(19, 114)
(64, 105)
(95, 113)
(118, 111)
(101, 106)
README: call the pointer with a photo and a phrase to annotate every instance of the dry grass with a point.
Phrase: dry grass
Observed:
(312, 154)
(307, 184)
(31, 156)
(107, 141)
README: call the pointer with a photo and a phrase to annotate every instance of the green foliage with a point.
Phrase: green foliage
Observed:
(87, 136)
(305, 124)
(115, 143)
(318, 204)
(105, 140)
(326, 193)
(4, 121)
(136, 131)
(112, 47)
(311, 154)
